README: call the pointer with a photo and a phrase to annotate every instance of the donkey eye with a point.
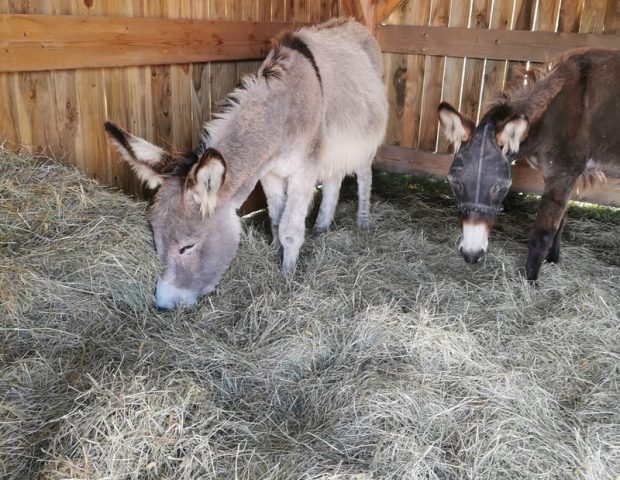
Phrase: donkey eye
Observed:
(185, 248)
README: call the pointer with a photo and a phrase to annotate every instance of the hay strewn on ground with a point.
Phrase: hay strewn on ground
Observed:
(386, 357)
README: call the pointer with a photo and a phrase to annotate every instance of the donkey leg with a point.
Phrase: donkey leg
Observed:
(292, 224)
(274, 187)
(330, 193)
(548, 221)
(364, 183)
(553, 256)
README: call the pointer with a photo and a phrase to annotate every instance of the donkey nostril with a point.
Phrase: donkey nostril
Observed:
(472, 257)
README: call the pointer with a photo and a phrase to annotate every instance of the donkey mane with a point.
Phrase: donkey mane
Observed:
(275, 67)
(226, 108)
(283, 45)
(534, 89)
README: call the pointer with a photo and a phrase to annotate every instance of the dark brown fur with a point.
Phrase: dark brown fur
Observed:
(573, 114)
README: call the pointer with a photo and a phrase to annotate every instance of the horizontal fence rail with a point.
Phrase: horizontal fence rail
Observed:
(488, 44)
(526, 179)
(58, 42)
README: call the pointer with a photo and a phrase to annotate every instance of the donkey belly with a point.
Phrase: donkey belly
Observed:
(345, 151)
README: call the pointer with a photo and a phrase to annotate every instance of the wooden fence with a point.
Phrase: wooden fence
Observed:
(128, 46)
(158, 67)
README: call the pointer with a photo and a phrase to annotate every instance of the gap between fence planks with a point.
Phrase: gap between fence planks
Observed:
(392, 158)
(489, 44)
(58, 42)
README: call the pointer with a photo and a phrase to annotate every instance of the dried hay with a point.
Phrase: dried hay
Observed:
(386, 357)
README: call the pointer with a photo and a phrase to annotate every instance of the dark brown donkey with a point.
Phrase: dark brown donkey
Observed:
(567, 124)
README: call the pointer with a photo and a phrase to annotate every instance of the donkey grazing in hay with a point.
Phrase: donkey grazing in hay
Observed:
(315, 111)
(565, 124)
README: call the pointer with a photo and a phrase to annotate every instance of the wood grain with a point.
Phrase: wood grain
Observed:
(490, 44)
(55, 42)
(416, 13)
(494, 74)
(474, 67)
(394, 77)
(453, 69)
(433, 82)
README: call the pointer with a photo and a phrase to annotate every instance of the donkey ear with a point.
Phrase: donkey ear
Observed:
(514, 132)
(144, 158)
(205, 179)
(456, 127)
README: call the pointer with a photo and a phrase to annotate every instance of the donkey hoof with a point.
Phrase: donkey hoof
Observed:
(363, 224)
(553, 257)
(320, 230)
(532, 274)
(288, 271)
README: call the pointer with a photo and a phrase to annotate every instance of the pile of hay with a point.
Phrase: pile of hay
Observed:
(386, 357)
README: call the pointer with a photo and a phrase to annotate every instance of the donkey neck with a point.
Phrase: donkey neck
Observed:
(244, 168)
(267, 121)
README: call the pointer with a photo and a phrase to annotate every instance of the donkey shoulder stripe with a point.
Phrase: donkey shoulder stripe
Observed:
(292, 41)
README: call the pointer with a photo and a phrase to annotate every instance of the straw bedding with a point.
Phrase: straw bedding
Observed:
(385, 357)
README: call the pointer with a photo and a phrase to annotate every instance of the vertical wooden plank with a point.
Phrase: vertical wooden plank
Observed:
(91, 147)
(65, 111)
(264, 10)
(495, 70)
(314, 11)
(64, 100)
(159, 113)
(612, 17)
(31, 96)
(248, 12)
(548, 15)
(90, 144)
(301, 11)
(394, 77)
(9, 113)
(200, 87)
(8, 122)
(433, 77)
(416, 13)
(34, 93)
(570, 15)
(223, 75)
(127, 95)
(289, 10)
(472, 79)
(453, 70)
(524, 17)
(37, 111)
(278, 8)
(593, 16)
(546, 19)
(329, 9)
(180, 87)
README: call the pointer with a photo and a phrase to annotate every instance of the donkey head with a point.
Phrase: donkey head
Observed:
(196, 233)
(480, 175)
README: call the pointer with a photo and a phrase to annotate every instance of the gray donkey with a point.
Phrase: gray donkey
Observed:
(315, 112)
